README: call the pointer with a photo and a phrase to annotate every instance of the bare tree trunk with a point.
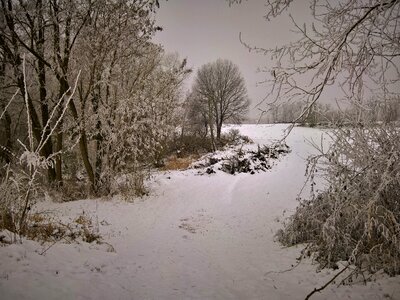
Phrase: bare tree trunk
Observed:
(5, 153)
(98, 163)
(83, 147)
(11, 50)
(219, 129)
(48, 147)
(59, 147)
(83, 144)
(211, 124)
(64, 87)
(98, 137)
(206, 129)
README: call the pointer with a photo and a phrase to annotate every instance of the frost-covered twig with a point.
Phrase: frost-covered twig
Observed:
(61, 116)
(8, 104)
(316, 290)
(17, 205)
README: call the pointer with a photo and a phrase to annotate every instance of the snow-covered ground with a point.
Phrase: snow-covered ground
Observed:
(194, 237)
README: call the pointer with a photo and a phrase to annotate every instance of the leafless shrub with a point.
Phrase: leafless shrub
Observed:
(20, 186)
(131, 185)
(351, 45)
(233, 137)
(357, 219)
(70, 190)
(189, 144)
(15, 193)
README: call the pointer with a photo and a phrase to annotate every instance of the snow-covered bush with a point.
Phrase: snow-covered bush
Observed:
(189, 144)
(11, 201)
(132, 131)
(19, 189)
(349, 46)
(233, 137)
(357, 219)
(131, 185)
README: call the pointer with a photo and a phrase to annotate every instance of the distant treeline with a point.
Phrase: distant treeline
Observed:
(325, 114)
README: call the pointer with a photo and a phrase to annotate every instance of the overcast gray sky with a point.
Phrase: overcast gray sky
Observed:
(205, 30)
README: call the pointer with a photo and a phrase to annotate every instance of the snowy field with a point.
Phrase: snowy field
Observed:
(193, 237)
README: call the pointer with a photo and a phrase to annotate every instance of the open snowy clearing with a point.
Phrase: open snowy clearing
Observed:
(194, 237)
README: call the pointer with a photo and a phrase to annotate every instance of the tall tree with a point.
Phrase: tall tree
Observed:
(221, 88)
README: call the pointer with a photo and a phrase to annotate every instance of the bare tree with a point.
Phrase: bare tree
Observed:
(221, 88)
(355, 45)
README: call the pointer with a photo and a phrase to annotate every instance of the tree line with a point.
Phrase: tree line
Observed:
(83, 83)
(126, 88)
(373, 111)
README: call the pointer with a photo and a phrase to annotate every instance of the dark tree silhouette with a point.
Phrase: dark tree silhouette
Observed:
(220, 87)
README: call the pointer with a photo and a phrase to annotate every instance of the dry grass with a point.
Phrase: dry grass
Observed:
(179, 163)
(44, 228)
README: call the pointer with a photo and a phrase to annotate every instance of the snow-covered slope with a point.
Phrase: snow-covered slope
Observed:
(194, 237)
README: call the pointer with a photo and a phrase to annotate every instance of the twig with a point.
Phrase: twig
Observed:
(291, 268)
(284, 271)
(51, 245)
(326, 284)
(8, 104)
